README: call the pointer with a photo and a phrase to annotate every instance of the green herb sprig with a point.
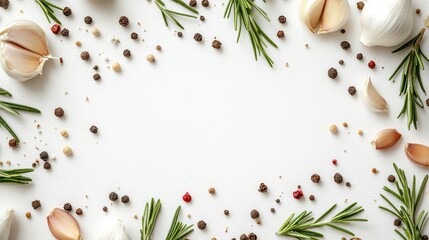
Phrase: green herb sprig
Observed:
(412, 221)
(178, 230)
(299, 226)
(171, 15)
(411, 66)
(15, 176)
(151, 211)
(13, 109)
(48, 9)
(243, 15)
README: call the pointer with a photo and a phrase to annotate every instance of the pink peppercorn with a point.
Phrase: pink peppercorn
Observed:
(298, 194)
(371, 64)
(56, 29)
(187, 197)
(334, 161)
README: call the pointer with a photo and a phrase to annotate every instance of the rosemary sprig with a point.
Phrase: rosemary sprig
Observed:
(151, 211)
(48, 9)
(169, 14)
(178, 230)
(299, 226)
(13, 109)
(411, 66)
(413, 222)
(15, 176)
(243, 15)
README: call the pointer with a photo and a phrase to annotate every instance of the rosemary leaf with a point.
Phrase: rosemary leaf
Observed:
(171, 15)
(178, 230)
(15, 176)
(150, 214)
(48, 9)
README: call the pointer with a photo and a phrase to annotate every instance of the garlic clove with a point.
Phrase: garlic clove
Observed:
(386, 22)
(386, 139)
(313, 10)
(117, 232)
(19, 63)
(63, 225)
(335, 15)
(372, 99)
(418, 154)
(28, 35)
(6, 224)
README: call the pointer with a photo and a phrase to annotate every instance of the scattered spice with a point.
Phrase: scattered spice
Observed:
(187, 197)
(343, 31)
(272, 210)
(68, 207)
(28, 214)
(243, 237)
(360, 5)
(4, 4)
(391, 178)
(216, 44)
(282, 19)
(345, 124)
(150, 58)
(345, 45)
(134, 35)
(158, 48)
(65, 32)
(427, 102)
(254, 214)
(44, 156)
(79, 211)
(341, 62)
(205, 3)
(123, 21)
(371, 64)
(277, 200)
(311, 197)
(212, 190)
(263, 188)
(84, 55)
(59, 112)
(374, 170)
(47, 165)
(315, 178)
(332, 73)
(113, 196)
(95, 67)
(202, 225)
(333, 129)
(105, 209)
(93, 129)
(179, 34)
(352, 90)
(425, 237)
(56, 29)
(116, 67)
(397, 222)
(202, 18)
(226, 212)
(96, 77)
(252, 236)
(298, 194)
(88, 20)
(193, 3)
(334, 161)
(359, 56)
(348, 184)
(418, 11)
(13, 143)
(78, 43)
(36, 204)
(198, 37)
(67, 151)
(67, 11)
(127, 53)
(280, 34)
(338, 178)
(125, 199)
(360, 132)
(95, 32)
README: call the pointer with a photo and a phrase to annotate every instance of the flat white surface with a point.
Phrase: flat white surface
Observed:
(201, 117)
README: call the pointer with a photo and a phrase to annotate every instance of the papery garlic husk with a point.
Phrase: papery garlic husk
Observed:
(386, 22)
(116, 232)
(23, 49)
(5, 224)
(324, 16)
(418, 154)
(63, 225)
(386, 139)
(372, 99)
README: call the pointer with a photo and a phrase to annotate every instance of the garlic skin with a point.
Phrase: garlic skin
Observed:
(63, 225)
(23, 49)
(5, 224)
(324, 16)
(117, 232)
(386, 139)
(418, 154)
(372, 99)
(386, 23)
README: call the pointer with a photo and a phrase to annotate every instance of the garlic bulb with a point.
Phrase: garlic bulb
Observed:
(418, 154)
(5, 224)
(372, 99)
(63, 225)
(386, 139)
(117, 232)
(386, 22)
(23, 49)
(324, 16)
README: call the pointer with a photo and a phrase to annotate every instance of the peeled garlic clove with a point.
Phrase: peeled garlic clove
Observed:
(418, 154)
(27, 35)
(372, 99)
(335, 15)
(386, 139)
(313, 10)
(19, 63)
(117, 232)
(63, 225)
(23, 49)
(5, 224)
(386, 22)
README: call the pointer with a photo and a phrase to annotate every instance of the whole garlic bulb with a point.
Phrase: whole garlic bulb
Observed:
(115, 232)
(386, 22)
(23, 49)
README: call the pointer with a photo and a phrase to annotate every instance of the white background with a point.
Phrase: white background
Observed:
(201, 117)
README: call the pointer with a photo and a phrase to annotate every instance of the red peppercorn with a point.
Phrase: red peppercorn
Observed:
(298, 194)
(371, 64)
(56, 29)
(187, 197)
(61, 60)
(334, 161)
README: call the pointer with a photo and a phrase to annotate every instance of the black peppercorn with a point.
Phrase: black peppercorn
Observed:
(360, 5)
(359, 56)
(226, 212)
(341, 62)
(345, 45)
(315, 178)
(47, 165)
(125, 199)
(252, 236)
(127, 53)
(263, 187)
(68, 207)
(44, 156)
(67, 11)
(95, 67)
(179, 34)
(311, 197)
(79, 211)
(113, 196)
(4, 4)
(105, 209)
(243, 237)
(65, 32)
(397, 222)
(123, 21)
(13, 143)
(254, 214)
(205, 3)
(332, 73)
(348, 184)
(96, 76)
(59, 112)
(425, 237)
(282, 19)
(202, 225)
(427, 102)
(280, 34)
(84, 55)
(343, 31)
(216, 44)
(88, 20)
(36, 204)
(93, 129)
(338, 178)
(352, 90)
(391, 178)
(277, 200)
(272, 210)
(134, 35)
(193, 3)
(198, 37)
